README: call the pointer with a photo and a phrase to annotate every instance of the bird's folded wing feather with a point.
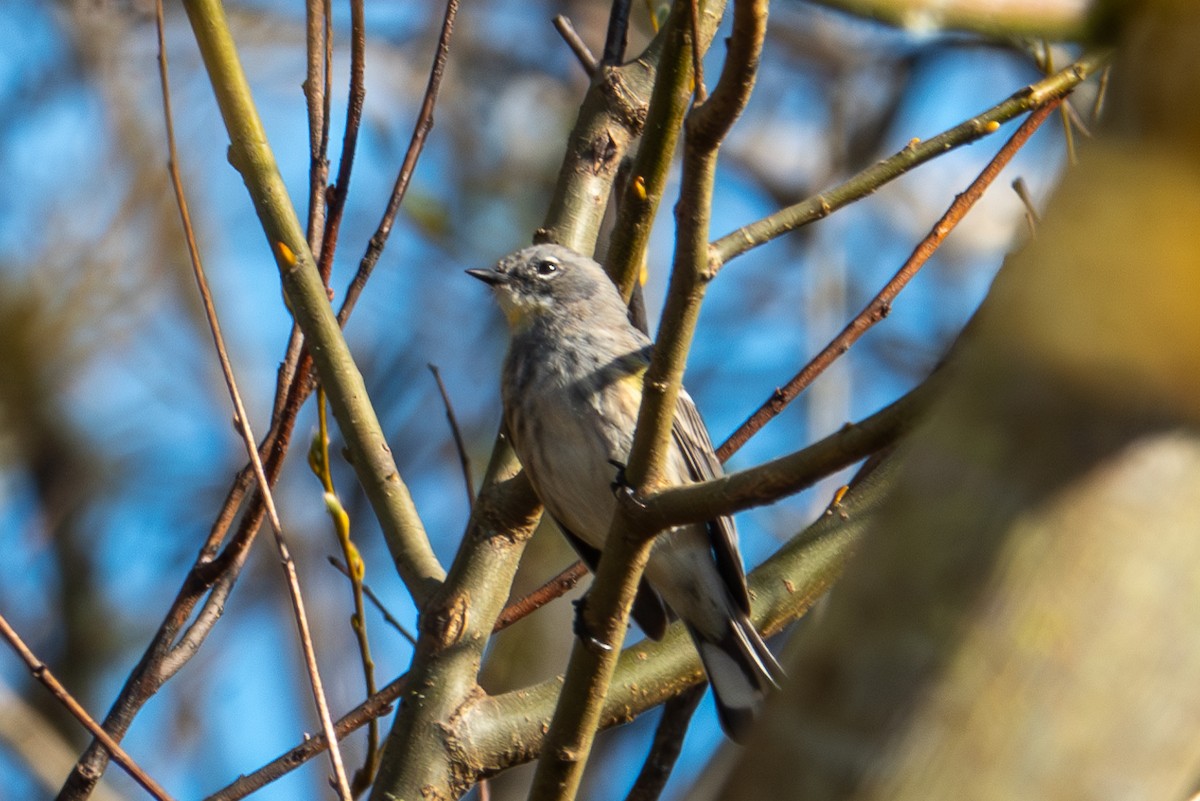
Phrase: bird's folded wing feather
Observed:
(691, 437)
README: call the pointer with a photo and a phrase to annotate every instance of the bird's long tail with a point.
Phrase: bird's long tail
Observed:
(742, 671)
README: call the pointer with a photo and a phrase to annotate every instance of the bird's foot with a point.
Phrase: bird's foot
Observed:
(621, 486)
(584, 632)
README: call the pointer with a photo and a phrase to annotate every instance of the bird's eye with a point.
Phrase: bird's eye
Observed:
(546, 267)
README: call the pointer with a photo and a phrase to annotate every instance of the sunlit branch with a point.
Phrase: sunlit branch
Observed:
(915, 153)
(43, 674)
(881, 305)
(242, 422)
(627, 547)
(251, 156)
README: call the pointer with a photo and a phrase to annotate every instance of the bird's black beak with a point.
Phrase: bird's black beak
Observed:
(489, 277)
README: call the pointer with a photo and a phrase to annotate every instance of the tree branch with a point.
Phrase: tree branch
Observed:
(669, 101)
(354, 110)
(610, 117)
(667, 744)
(618, 32)
(509, 729)
(915, 153)
(42, 673)
(881, 305)
(305, 292)
(583, 54)
(787, 475)
(318, 47)
(627, 547)
(242, 422)
(464, 460)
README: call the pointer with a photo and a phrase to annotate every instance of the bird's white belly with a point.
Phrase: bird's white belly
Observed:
(575, 477)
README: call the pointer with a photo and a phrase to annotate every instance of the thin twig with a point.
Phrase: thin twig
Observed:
(554, 588)
(667, 744)
(316, 98)
(416, 144)
(380, 704)
(1031, 216)
(463, 459)
(375, 707)
(699, 92)
(241, 418)
(1101, 93)
(388, 617)
(582, 52)
(42, 673)
(1076, 119)
(618, 33)
(881, 305)
(318, 462)
(354, 111)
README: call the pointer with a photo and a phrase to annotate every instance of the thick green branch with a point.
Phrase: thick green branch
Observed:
(423, 749)
(251, 155)
(643, 191)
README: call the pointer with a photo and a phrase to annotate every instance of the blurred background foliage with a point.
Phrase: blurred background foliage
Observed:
(116, 443)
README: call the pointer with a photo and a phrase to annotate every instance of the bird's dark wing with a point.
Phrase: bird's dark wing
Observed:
(691, 437)
(648, 608)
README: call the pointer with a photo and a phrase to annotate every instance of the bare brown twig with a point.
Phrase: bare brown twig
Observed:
(318, 33)
(380, 703)
(700, 93)
(421, 129)
(354, 110)
(43, 674)
(554, 588)
(1031, 216)
(618, 32)
(459, 445)
(571, 36)
(881, 304)
(243, 421)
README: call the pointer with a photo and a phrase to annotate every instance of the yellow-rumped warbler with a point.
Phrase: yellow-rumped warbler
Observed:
(572, 386)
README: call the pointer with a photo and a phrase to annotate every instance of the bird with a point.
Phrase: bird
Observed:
(571, 386)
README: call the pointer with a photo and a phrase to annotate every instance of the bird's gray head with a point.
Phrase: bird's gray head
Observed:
(546, 282)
